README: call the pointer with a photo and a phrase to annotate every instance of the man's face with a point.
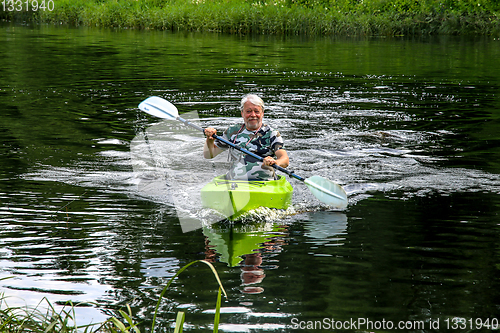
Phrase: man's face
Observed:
(252, 116)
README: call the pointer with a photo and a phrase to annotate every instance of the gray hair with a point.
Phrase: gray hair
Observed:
(254, 99)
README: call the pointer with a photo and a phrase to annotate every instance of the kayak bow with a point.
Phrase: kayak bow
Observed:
(233, 198)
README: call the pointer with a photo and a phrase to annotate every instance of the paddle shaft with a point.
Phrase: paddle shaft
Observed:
(243, 150)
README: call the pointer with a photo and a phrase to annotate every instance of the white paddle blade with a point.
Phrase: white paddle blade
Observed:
(327, 191)
(159, 107)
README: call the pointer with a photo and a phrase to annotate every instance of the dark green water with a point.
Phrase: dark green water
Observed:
(410, 128)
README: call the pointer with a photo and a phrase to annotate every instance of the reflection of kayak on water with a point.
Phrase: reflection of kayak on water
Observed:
(233, 198)
(235, 241)
(232, 242)
(242, 245)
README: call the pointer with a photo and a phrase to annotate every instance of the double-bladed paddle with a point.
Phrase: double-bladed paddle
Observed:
(323, 189)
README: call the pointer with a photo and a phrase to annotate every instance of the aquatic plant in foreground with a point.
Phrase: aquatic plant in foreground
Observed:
(49, 320)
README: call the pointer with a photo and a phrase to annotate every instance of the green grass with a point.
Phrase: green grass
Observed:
(47, 319)
(285, 17)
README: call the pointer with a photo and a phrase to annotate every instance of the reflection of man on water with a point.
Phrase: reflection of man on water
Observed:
(254, 136)
(251, 273)
(246, 249)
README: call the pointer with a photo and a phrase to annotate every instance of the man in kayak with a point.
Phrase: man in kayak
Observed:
(254, 136)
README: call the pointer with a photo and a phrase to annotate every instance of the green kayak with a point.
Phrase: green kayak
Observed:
(233, 198)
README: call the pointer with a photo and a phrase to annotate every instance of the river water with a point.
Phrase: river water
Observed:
(92, 189)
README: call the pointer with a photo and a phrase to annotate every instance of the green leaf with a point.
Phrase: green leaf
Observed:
(179, 322)
(119, 324)
(217, 311)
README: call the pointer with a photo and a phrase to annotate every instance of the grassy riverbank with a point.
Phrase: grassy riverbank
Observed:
(291, 17)
(45, 318)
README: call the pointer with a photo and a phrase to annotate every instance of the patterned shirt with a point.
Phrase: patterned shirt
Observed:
(266, 142)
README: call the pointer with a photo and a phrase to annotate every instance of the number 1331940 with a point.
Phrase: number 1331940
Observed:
(27, 5)
(472, 324)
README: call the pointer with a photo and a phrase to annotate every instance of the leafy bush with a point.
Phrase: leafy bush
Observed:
(49, 320)
(353, 17)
